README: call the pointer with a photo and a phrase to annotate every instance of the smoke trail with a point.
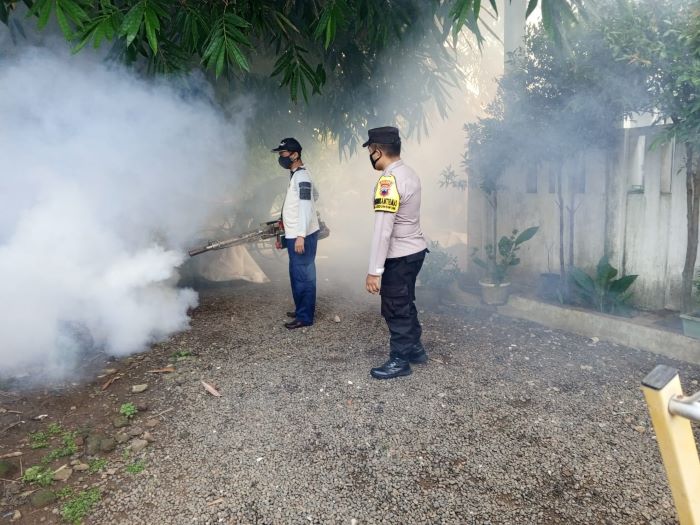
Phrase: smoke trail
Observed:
(104, 178)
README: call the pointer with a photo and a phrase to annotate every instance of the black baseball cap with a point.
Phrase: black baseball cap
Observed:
(289, 144)
(383, 135)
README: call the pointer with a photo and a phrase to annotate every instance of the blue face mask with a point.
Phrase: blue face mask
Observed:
(285, 162)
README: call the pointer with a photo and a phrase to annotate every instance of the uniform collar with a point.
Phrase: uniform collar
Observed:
(292, 172)
(393, 165)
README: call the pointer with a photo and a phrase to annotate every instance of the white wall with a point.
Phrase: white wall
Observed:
(634, 207)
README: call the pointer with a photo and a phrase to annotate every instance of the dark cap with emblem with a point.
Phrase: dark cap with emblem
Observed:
(289, 144)
(384, 135)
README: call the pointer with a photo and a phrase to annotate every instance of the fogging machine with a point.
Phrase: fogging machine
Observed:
(268, 230)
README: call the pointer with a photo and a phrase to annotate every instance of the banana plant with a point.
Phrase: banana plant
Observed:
(602, 291)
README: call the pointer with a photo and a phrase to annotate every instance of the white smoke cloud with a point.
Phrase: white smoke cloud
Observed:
(103, 178)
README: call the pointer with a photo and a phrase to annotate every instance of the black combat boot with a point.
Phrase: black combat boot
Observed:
(394, 367)
(418, 355)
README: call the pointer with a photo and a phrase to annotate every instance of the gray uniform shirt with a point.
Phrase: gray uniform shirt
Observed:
(396, 233)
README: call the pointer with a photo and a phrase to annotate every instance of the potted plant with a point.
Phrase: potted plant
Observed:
(549, 282)
(691, 321)
(499, 259)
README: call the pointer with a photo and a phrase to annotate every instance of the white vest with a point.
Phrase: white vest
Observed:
(299, 211)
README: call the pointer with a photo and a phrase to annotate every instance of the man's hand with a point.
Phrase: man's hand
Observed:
(372, 283)
(299, 245)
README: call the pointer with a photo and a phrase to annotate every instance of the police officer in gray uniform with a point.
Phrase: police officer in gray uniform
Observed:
(398, 251)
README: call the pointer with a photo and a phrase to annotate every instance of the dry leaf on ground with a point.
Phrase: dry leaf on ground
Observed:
(213, 391)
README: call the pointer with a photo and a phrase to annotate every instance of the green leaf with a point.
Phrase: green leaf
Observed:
(620, 286)
(505, 245)
(304, 90)
(320, 75)
(322, 22)
(604, 271)
(214, 53)
(43, 8)
(220, 61)
(459, 12)
(330, 32)
(215, 44)
(74, 11)
(584, 281)
(4, 12)
(526, 235)
(293, 86)
(237, 56)
(280, 65)
(283, 22)
(132, 22)
(82, 41)
(63, 22)
(152, 27)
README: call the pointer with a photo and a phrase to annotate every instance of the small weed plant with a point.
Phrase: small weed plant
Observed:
(128, 410)
(78, 507)
(96, 465)
(136, 467)
(38, 475)
(68, 449)
(65, 492)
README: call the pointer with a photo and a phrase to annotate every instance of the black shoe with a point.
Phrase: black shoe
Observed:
(394, 367)
(293, 315)
(418, 357)
(291, 325)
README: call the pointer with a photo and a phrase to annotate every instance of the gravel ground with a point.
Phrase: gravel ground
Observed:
(508, 423)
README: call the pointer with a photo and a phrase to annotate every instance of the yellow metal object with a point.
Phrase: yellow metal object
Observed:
(676, 442)
(386, 195)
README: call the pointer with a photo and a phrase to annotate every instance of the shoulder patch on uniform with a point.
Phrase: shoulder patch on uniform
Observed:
(386, 195)
(305, 191)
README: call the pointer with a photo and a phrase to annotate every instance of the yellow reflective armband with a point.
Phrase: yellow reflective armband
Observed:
(386, 195)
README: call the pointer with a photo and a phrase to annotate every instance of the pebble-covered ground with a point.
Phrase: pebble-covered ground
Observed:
(508, 423)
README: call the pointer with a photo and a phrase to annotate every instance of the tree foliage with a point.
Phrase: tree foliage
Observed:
(353, 52)
(660, 39)
(554, 103)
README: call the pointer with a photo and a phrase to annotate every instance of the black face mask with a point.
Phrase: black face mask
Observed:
(374, 161)
(285, 162)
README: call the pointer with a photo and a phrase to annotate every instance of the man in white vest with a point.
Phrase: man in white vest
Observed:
(301, 233)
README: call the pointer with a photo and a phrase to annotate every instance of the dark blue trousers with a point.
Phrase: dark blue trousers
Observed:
(302, 274)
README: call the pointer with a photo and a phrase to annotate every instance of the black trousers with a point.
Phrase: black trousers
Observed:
(398, 293)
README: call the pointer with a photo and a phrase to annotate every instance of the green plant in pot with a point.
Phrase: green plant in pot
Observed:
(691, 321)
(495, 288)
